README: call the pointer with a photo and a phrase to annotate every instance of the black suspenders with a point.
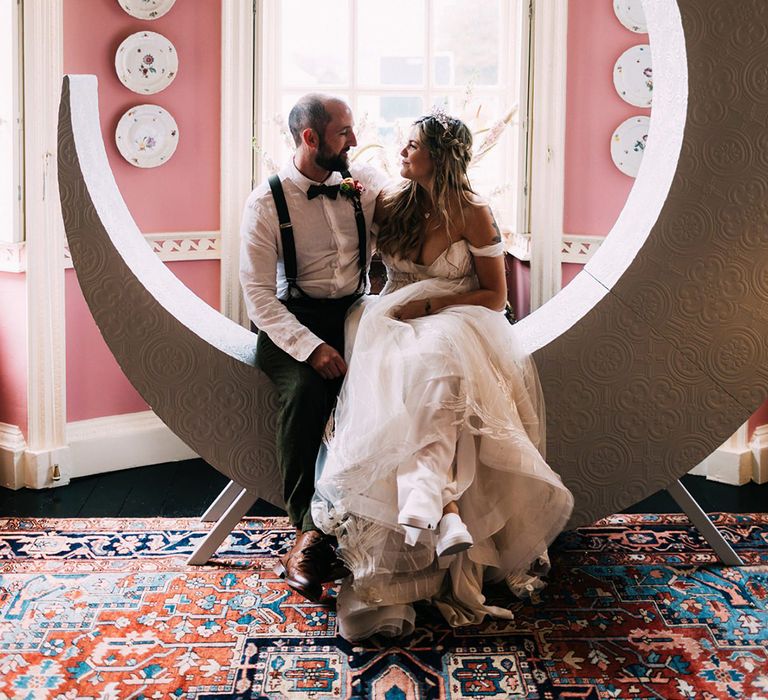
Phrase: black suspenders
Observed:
(286, 232)
(289, 246)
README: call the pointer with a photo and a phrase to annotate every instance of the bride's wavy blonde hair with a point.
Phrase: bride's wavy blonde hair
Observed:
(449, 142)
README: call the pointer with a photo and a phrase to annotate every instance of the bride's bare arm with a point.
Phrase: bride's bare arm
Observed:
(481, 231)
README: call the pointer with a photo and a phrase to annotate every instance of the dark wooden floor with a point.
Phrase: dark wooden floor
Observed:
(186, 489)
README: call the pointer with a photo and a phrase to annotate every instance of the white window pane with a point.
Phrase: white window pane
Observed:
(467, 42)
(383, 124)
(392, 42)
(493, 169)
(315, 42)
(278, 144)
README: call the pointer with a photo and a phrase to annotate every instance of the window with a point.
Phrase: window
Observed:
(393, 62)
(11, 151)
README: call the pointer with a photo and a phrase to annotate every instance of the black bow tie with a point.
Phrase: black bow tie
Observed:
(328, 190)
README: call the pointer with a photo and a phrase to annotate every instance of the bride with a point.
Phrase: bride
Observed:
(434, 480)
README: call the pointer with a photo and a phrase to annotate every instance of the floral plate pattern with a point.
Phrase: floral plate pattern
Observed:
(633, 76)
(146, 62)
(146, 9)
(147, 136)
(628, 144)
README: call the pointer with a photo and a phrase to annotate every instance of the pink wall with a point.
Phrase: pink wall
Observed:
(595, 190)
(180, 195)
(96, 385)
(13, 350)
(760, 417)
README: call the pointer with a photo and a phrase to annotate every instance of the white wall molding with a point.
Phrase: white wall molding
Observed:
(759, 447)
(21, 466)
(579, 249)
(13, 257)
(46, 468)
(12, 447)
(188, 245)
(550, 62)
(174, 245)
(573, 248)
(110, 443)
(46, 395)
(177, 245)
(237, 73)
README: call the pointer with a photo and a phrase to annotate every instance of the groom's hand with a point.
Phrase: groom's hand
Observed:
(327, 362)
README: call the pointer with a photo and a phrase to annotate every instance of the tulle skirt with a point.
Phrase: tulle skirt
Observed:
(456, 377)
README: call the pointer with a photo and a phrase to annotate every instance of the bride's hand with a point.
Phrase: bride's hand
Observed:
(413, 309)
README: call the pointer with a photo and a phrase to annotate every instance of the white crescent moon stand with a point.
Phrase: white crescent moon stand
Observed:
(649, 360)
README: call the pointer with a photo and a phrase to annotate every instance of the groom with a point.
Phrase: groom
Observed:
(305, 252)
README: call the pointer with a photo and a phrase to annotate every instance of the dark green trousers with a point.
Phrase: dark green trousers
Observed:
(306, 401)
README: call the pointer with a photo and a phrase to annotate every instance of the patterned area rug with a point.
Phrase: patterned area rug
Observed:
(637, 607)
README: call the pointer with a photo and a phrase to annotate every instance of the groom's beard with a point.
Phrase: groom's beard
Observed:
(328, 160)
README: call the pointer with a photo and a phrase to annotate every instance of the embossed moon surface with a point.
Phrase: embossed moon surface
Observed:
(193, 366)
(649, 359)
(656, 353)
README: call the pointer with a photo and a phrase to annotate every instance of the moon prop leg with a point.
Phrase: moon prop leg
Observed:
(649, 359)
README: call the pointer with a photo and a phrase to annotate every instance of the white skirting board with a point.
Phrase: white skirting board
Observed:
(728, 465)
(107, 444)
(117, 442)
(738, 462)
(93, 446)
(12, 448)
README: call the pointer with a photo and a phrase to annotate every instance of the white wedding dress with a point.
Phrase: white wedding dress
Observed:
(440, 408)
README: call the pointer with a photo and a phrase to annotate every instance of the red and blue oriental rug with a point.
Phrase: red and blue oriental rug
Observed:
(637, 607)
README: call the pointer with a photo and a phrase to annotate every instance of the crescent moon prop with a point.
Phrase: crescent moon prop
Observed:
(649, 359)
(192, 365)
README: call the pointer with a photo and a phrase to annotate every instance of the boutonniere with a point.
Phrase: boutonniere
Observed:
(351, 188)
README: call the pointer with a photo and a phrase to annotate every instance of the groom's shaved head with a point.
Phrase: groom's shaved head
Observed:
(310, 113)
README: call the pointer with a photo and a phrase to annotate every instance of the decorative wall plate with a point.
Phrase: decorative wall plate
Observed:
(146, 136)
(146, 62)
(146, 9)
(631, 15)
(633, 76)
(628, 144)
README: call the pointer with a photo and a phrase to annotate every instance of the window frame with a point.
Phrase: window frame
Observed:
(270, 89)
(15, 234)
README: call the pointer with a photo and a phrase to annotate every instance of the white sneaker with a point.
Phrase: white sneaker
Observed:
(453, 536)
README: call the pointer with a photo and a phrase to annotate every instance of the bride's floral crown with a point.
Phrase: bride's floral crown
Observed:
(449, 137)
(441, 117)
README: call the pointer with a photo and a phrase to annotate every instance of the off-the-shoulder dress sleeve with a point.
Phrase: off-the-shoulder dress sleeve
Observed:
(487, 251)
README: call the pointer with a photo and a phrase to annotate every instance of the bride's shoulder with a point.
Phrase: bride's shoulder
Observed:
(480, 227)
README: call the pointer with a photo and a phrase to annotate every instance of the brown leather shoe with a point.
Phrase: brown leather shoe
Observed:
(303, 568)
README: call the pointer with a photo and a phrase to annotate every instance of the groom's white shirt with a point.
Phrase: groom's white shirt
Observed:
(326, 239)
